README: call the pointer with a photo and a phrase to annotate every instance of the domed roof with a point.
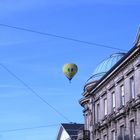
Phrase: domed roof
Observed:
(105, 66)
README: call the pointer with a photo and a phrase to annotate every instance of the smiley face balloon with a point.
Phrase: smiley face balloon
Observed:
(70, 70)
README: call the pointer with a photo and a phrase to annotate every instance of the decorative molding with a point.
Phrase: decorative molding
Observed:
(129, 71)
(138, 64)
(111, 86)
(132, 105)
(103, 93)
(97, 98)
(119, 79)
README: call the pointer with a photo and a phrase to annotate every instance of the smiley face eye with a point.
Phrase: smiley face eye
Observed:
(71, 69)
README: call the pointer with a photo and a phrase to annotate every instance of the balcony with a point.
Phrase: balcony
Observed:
(83, 135)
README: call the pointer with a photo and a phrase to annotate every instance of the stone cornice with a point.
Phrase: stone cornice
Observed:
(83, 101)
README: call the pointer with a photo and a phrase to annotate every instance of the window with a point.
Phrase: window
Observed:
(113, 101)
(122, 95)
(98, 112)
(113, 137)
(132, 130)
(132, 88)
(86, 121)
(122, 132)
(105, 106)
(105, 137)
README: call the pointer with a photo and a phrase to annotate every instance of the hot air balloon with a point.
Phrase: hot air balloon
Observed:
(70, 70)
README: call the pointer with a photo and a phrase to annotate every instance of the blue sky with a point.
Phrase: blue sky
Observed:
(38, 59)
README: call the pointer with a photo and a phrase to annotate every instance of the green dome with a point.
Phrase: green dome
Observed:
(105, 66)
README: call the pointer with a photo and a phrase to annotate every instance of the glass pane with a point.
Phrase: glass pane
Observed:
(105, 106)
(132, 87)
(113, 135)
(132, 130)
(122, 95)
(122, 132)
(105, 137)
(113, 100)
(98, 112)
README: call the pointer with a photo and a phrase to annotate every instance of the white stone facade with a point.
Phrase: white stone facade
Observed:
(112, 104)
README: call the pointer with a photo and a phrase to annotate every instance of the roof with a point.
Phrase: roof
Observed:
(69, 131)
(133, 50)
(105, 66)
(72, 129)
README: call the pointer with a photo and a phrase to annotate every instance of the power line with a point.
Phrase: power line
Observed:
(34, 92)
(62, 37)
(27, 128)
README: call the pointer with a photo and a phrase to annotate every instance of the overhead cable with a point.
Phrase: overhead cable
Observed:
(34, 92)
(27, 128)
(62, 37)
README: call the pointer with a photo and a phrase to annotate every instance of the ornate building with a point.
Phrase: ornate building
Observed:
(111, 98)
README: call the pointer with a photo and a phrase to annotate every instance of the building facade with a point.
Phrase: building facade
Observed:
(111, 98)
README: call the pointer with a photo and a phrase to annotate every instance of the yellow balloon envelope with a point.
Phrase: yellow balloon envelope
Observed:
(70, 70)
